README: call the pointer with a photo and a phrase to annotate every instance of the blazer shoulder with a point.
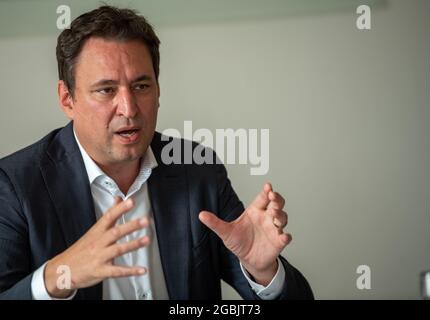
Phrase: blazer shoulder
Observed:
(27, 158)
(188, 152)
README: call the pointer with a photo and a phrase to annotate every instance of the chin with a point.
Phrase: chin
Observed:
(131, 154)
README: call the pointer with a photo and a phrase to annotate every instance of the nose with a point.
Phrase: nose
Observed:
(126, 103)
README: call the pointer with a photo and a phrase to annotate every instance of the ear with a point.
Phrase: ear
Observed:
(158, 88)
(65, 99)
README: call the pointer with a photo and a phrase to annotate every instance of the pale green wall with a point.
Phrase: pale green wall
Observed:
(348, 114)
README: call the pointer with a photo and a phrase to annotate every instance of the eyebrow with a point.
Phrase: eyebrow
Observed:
(104, 82)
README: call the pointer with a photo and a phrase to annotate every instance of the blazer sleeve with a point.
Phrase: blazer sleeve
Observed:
(15, 264)
(230, 207)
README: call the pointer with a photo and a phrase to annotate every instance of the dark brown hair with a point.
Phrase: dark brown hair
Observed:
(105, 22)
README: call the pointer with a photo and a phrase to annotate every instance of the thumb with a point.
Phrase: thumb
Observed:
(220, 227)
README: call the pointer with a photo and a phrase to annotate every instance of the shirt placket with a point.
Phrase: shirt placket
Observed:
(112, 188)
(142, 284)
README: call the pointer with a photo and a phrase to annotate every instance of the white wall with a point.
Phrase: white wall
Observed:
(348, 114)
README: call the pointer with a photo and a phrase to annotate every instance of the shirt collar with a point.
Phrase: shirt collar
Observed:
(147, 163)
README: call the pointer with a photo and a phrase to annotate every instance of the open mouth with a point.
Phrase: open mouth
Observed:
(127, 133)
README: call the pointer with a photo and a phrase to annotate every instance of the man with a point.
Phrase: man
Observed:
(94, 199)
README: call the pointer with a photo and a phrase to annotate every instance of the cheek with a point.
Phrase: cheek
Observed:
(154, 109)
(93, 115)
(100, 115)
(150, 116)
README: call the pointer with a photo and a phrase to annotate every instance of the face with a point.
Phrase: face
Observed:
(115, 103)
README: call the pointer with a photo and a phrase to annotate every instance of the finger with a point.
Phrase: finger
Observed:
(117, 199)
(115, 212)
(117, 232)
(279, 217)
(262, 200)
(276, 200)
(119, 249)
(285, 239)
(123, 271)
(220, 227)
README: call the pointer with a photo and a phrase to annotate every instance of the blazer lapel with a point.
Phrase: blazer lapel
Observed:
(66, 180)
(67, 183)
(168, 192)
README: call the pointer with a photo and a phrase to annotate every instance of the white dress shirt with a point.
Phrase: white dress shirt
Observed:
(151, 285)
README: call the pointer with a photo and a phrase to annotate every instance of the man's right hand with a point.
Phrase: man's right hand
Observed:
(90, 259)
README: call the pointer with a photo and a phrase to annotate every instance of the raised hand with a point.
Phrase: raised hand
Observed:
(256, 237)
(90, 259)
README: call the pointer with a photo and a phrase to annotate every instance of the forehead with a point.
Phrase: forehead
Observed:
(102, 57)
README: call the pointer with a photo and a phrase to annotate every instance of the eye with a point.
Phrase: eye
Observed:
(140, 86)
(106, 91)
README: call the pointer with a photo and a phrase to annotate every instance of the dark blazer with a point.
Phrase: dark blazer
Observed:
(46, 205)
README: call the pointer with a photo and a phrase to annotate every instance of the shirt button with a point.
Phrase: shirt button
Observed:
(145, 296)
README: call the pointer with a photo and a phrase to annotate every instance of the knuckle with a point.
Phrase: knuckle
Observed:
(92, 247)
(278, 211)
(108, 216)
(116, 231)
(115, 273)
(135, 225)
(97, 273)
(134, 245)
(117, 251)
(279, 198)
(274, 211)
(121, 272)
(144, 241)
(120, 250)
(97, 262)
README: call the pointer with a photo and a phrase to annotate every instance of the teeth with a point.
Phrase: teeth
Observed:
(127, 133)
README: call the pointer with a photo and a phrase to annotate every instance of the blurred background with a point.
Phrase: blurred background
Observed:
(348, 112)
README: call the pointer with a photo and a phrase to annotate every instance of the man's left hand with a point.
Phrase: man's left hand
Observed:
(256, 237)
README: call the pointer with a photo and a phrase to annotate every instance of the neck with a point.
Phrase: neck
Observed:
(123, 174)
